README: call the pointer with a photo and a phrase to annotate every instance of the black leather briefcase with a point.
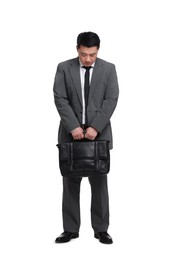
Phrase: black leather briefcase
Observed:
(84, 158)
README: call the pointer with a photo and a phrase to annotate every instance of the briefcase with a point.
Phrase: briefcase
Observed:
(84, 158)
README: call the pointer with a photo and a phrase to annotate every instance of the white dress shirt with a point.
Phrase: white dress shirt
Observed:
(82, 77)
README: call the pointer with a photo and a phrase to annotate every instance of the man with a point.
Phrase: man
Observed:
(85, 115)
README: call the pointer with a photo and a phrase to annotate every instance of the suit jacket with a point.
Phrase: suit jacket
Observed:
(103, 97)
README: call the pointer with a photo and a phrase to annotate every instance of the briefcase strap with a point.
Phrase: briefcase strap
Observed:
(71, 157)
(96, 156)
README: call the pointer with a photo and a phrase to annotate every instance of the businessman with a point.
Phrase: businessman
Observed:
(86, 94)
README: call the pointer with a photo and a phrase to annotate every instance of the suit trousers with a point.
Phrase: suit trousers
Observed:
(99, 203)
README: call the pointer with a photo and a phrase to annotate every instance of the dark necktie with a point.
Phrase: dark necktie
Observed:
(86, 90)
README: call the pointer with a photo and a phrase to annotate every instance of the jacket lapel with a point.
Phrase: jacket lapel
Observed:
(75, 74)
(97, 71)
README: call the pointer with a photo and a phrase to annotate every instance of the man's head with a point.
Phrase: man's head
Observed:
(88, 44)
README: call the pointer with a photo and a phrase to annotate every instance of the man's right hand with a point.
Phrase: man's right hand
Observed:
(77, 133)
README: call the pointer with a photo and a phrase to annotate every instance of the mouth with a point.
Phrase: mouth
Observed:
(88, 64)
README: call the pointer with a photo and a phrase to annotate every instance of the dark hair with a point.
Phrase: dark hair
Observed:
(88, 39)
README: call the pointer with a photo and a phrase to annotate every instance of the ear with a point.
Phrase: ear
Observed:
(77, 49)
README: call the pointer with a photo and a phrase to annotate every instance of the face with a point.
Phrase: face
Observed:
(87, 55)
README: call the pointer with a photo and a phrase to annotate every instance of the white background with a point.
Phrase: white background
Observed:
(137, 37)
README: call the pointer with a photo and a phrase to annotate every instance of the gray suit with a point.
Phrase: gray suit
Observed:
(102, 101)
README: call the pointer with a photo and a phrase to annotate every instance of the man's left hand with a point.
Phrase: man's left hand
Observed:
(90, 133)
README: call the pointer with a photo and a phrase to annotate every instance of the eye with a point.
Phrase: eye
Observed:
(92, 55)
(83, 54)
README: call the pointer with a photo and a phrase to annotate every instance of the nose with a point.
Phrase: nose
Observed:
(88, 59)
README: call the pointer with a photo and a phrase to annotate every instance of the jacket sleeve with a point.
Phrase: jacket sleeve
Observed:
(65, 111)
(104, 114)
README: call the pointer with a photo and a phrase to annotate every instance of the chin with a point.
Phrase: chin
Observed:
(87, 65)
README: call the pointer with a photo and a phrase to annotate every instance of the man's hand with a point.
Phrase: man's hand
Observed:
(91, 133)
(77, 133)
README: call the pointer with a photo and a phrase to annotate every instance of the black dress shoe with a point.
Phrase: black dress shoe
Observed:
(66, 237)
(103, 237)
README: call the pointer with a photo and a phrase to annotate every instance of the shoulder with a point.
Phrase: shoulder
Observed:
(107, 65)
(67, 63)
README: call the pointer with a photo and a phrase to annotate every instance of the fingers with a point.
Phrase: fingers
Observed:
(89, 137)
(78, 133)
(78, 137)
(91, 133)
